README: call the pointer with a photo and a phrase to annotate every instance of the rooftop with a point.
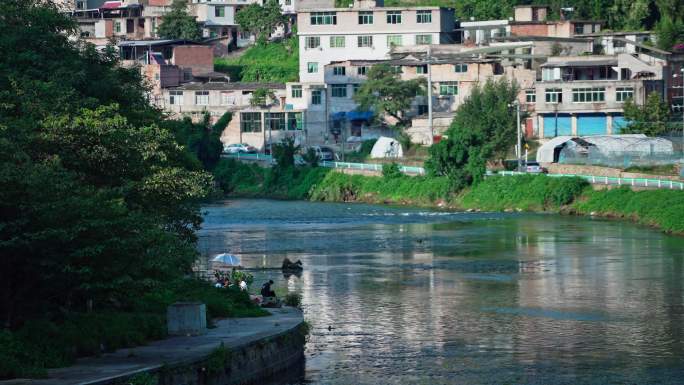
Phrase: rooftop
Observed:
(374, 9)
(227, 86)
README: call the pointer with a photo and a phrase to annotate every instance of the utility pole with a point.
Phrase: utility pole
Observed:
(429, 87)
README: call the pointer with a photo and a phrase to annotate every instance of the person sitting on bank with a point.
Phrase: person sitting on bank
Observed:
(266, 290)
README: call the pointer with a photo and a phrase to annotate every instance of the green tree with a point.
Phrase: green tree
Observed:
(650, 119)
(261, 97)
(385, 93)
(178, 24)
(261, 20)
(99, 203)
(669, 32)
(483, 129)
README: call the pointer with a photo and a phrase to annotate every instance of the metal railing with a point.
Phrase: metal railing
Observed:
(332, 164)
(613, 181)
(371, 167)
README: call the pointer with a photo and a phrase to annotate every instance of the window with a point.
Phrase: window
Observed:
(312, 67)
(460, 68)
(250, 121)
(323, 18)
(393, 41)
(337, 41)
(365, 41)
(397, 69)
(422, 109)
(588, 95)
(316, 97)
(424, 16)
(176, 97)
(288, 2)
(296, 91)
(393, 17)
(362, 70)
(530, 96)
(365, 17)
(338, 90)
(448, 88)
(423, 39)
(275, 121)
(554, 95)
(421, 69)
(117, 26)
(622, 94)
(579, 29)
(220, 11)
(294, 121)
(312, 41)
(355, 87)
(202, 98)
(339, 71)
(227, 99)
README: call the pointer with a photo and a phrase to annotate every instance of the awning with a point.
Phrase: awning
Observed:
(360, 115)
(582, 63)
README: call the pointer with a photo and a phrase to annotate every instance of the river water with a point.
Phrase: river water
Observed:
(401, 295)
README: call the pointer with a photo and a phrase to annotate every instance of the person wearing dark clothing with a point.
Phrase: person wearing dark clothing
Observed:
(266, 289)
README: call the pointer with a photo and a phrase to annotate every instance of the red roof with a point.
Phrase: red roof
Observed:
(111, 4)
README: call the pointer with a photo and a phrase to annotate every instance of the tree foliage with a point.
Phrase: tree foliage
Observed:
(261, 20)
(385, 93)
(99, 202)
(178, 24)
(262, 96)
(484, 128)
(650, 119)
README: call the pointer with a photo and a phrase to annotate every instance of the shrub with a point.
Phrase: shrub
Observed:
(391, 171)
(293, 300)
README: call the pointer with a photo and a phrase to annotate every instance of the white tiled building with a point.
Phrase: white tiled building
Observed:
(365, 32)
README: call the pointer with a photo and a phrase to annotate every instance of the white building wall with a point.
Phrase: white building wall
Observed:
(348, 26)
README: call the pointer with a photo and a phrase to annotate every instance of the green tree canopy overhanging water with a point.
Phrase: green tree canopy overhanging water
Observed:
(99, 202)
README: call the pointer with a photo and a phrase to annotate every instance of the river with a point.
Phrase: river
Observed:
(401, 295)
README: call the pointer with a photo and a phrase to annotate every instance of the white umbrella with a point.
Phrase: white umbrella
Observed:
(228, 259)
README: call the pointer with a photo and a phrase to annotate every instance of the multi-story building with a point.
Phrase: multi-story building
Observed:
(585, 95)
(365, 31)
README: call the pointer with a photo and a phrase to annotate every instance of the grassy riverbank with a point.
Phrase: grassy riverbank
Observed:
(58, 339)
(535, 193)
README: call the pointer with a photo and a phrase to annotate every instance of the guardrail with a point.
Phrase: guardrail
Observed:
(242, 155)
(371, 167)
(613, 181)
(332, 164)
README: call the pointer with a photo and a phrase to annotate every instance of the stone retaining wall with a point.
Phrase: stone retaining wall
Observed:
(556, 168)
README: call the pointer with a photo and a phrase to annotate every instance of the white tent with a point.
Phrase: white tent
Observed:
(386, 148)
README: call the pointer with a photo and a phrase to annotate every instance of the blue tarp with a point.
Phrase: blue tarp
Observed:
(352, 115)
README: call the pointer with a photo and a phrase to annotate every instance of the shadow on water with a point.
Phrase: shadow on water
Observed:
(405, 295)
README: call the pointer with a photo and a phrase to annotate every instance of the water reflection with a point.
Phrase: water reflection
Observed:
(399, 295)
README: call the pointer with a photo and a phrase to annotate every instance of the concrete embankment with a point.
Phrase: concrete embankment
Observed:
(236, 351)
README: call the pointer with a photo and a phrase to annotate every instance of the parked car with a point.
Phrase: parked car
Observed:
(324, 153)
(534, 168)
(239, 148)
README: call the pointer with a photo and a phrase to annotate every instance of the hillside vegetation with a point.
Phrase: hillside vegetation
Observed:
(276, 62)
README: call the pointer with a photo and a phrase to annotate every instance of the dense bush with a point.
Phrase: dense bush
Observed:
(416, 190)
(391, 171)
(241, 179)
(274, 62)
(48, 343)
(525, 192)
(661, 208)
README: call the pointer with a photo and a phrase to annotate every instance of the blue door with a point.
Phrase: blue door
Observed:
(592, 124)
(557, 127)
